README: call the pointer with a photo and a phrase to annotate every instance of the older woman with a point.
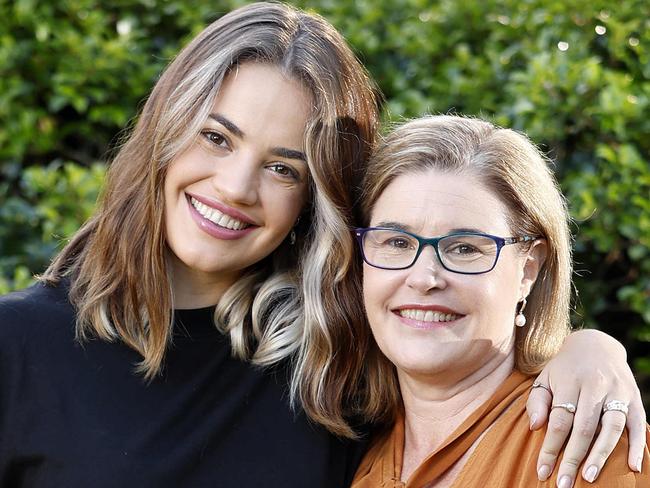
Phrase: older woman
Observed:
(130, 363)
(466, 286)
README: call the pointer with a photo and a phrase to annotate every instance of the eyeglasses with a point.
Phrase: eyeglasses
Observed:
(459, 252)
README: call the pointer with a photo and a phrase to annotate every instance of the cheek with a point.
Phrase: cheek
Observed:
(370, 293)
(178, 176)
(497, 298)
(373, 301)
(283, 206)
(379, 286)
(173, 195)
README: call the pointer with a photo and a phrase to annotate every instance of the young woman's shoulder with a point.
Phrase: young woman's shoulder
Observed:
(35, 312)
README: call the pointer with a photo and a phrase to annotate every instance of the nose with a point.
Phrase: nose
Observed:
(426, 273)
(237, 179)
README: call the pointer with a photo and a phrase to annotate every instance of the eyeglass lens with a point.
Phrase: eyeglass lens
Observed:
(465, 253)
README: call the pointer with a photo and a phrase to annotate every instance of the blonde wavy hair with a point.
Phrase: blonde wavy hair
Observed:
(511, 166)
(116, 263)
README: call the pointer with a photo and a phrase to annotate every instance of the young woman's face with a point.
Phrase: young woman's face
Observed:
(235, 194)
(430, 321)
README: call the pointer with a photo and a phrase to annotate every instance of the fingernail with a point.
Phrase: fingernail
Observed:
(544, 472)
(533, 419)
(565, 482)
(590, 474)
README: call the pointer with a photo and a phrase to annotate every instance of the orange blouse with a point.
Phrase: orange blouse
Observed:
(506, 455)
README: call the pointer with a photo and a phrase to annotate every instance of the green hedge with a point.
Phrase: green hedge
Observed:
(574, 75)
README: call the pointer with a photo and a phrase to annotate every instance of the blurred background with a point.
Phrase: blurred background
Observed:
(574, 75)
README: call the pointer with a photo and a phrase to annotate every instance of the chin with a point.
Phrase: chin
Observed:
(420, 364)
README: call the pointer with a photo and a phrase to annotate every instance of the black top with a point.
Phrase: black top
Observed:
(76, 415)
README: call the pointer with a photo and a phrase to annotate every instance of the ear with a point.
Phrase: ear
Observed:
(535, 258)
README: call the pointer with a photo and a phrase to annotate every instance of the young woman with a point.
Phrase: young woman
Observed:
(136, 360)
(462, 319)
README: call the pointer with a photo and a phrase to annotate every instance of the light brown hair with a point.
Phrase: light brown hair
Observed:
(511, 166)
(116, 263)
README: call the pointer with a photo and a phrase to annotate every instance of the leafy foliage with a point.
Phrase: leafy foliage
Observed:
(574, 75)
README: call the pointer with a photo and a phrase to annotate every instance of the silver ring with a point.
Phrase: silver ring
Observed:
(537, 384)
(569, 407)
(616, 406)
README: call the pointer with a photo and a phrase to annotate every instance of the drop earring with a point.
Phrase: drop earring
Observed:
(520, 319)
(292, 234)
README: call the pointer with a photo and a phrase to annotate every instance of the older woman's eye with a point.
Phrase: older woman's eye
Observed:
(398, 242)
(215, 138)
(463, 249)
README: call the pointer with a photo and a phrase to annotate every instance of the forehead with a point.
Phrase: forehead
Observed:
(263, 100)
(433, 202)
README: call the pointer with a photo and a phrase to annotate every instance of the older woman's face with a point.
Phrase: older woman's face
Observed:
(430, 321)
(235, 194)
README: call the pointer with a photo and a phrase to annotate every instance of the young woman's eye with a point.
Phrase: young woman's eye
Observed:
(215, 138)
(284, 170)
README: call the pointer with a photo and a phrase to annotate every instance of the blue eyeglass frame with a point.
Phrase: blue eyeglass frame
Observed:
(433, 242)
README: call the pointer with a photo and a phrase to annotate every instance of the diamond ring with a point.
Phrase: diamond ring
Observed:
(615, 405)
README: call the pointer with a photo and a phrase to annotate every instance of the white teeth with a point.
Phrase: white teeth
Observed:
(217, 217)
(428, 316)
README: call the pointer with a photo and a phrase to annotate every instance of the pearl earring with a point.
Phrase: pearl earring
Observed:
(520, 319)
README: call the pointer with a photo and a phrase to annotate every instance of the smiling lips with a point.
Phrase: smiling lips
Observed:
(420, 318)
(212, 219)
(217, 217)
(427, 315)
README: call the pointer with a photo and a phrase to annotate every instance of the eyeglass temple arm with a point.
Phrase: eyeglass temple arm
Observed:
(514, 240)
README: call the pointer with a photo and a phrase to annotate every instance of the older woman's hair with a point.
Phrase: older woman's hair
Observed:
(508, 164)
(116, 263)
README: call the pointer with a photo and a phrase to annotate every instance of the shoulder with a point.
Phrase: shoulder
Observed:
(22, 312)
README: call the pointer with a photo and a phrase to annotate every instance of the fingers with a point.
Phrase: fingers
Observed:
(636, 426)
(612, 423)
(539, 402)
(601, 373)
(560, 422)
(585, 423)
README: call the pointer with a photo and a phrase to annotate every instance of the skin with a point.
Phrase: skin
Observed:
(446, 369)
(244, 167)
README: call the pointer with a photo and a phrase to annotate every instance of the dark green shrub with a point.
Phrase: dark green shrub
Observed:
(574, 75)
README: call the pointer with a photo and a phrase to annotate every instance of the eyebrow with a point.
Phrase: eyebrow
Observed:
(228, 125)
(282, 152)
(408, 228)
(393, 225)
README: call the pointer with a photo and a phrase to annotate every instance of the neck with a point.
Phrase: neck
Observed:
(434, 410)
(193, 288)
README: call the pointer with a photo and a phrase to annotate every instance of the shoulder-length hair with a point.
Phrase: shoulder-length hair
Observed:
(510, 165)
(116, 263)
